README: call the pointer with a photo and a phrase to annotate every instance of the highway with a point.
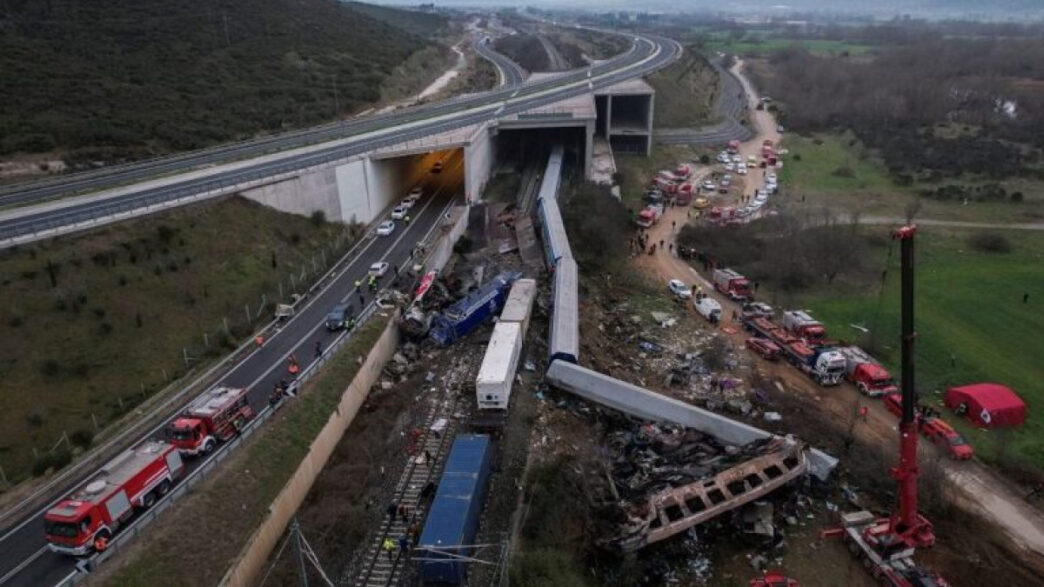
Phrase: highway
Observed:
(511, 73)
(62, 186)
(265, 367)
(24, 560)
(729, 106)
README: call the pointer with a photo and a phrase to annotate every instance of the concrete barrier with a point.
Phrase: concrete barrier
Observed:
(252, 560)
(649, 405)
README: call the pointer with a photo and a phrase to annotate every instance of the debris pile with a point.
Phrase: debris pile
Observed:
(665, 479)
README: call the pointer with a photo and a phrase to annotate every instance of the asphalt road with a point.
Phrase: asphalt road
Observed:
(729, 107)
(266, 366)
(512, 73)
(84, 211)
(22, 546)
(114, 176)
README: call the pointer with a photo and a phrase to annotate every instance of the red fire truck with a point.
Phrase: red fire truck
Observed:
(216, 416)
(97, 510)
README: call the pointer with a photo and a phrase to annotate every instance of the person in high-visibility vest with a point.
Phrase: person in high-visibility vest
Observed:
(389, 547)
(407, 220)
(357, 284)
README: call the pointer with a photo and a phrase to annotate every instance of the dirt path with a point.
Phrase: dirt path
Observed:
(976, 487)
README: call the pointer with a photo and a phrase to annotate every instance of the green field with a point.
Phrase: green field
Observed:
(761, 47)
(108, 330)
(972, 324)
(837, 171)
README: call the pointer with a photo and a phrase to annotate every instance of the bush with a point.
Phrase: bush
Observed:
(16, 321)
(35, 419)
(50, 368)
(52, 460)
(318, 218)
(705, 159)
(1016, 197)
(81, 438)
(843, 171)
(989, 242)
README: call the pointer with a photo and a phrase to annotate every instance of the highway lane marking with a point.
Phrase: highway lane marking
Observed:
(21, 567)
(375, 134)
(357, 254)
(303, 340)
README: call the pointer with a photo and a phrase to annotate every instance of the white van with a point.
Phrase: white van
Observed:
(709, 308)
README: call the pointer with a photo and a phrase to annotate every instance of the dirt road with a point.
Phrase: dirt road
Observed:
(974, 485)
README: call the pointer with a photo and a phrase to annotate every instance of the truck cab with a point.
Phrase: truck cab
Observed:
(70, 527)
(804, 326)
(216, 416)
(873, 380)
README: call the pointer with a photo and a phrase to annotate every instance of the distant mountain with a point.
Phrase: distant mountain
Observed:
(130, 78)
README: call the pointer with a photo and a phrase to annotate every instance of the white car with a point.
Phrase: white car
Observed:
(709, 185)
(379, 269)
(386, 228)
(770, 178)
(723, 157)
(761, 198)
(771, 188)
(679, 289)
(737, 159)
(741, 170)
(399, 212)
(744, 211)
(730, 167)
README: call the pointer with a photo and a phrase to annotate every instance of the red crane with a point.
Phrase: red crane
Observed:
(886, 545)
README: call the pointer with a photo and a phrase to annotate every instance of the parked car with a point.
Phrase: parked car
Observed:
(386, 228)
(725, 182)
(779, 129)
(756, 310)
(723, 157)
(751, 161)
(399, 212)
(730, 166)
(679, 289)
(700, 203)
(337, 318)
(770, 177)
(741, 168)
(764, 348)
(709, 185)
(737, 159)
(761, 197)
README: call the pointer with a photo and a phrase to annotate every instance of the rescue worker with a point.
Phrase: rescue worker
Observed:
(318, 349)
(357, 284)
(276, 395)
(292, 367)
(101, 542)
(389, 547)
(407, 220)
(404, 544)
(259, 341)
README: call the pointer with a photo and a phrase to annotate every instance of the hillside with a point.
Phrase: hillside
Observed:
(128, 79)
(422, 24)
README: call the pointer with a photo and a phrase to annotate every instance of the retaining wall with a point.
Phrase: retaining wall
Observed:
(252, 560)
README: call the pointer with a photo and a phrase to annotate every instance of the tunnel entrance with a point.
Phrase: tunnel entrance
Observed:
(518, 149)
(368, 188)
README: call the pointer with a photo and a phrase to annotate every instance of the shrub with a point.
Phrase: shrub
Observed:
(989, 242)
(318, 218)
(81, 438)
(50, 368)
(1016, 197)
(52, 460)
(705, 159)
(843, 171)
(35, 419)
(16, 321)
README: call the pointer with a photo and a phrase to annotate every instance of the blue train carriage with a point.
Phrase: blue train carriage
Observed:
(473, 309)
(565, 318)
(453, 519)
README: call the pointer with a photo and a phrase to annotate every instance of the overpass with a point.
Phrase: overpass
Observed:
(319, 161)
(326, 163)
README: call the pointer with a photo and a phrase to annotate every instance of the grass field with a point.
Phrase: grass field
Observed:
(123, 303)
(836, 171)
(761, 47)
(972, 324)
(685, 94)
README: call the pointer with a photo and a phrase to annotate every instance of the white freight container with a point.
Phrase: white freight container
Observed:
(497, 373)
(519, 304)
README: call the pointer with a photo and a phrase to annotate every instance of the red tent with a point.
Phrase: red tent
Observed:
(988, 404)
